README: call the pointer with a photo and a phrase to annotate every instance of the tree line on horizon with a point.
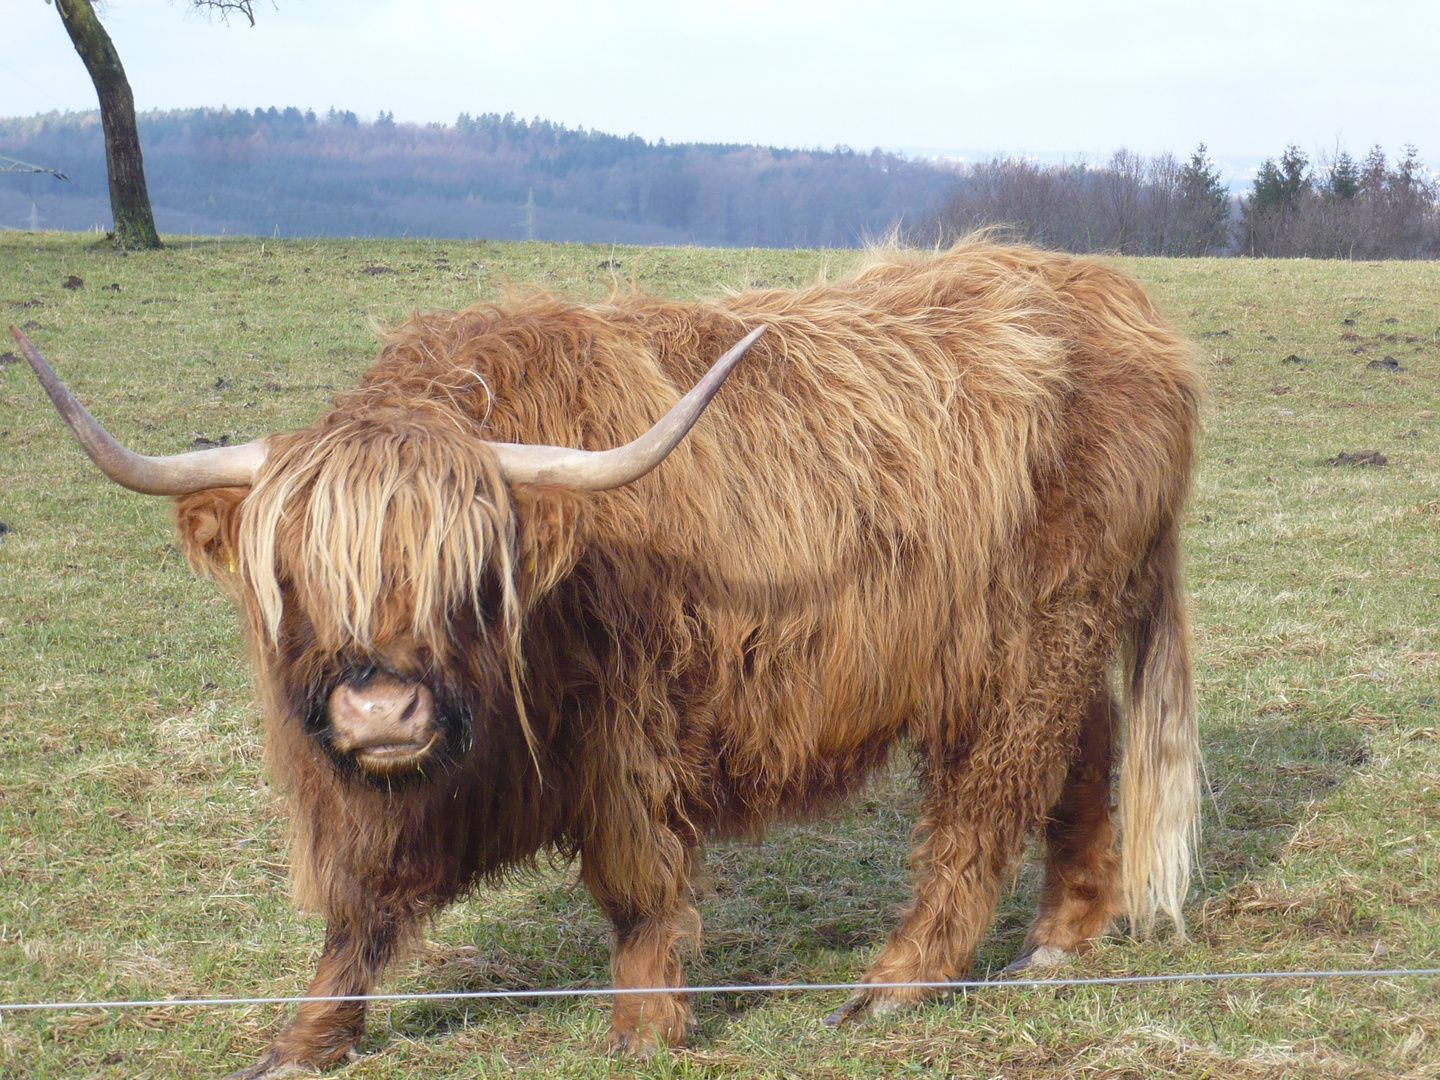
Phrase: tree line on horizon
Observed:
(1335, 207)
(307, 174)
(1340, 208)
(301, 174)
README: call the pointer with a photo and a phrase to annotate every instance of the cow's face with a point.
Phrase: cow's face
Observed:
(379, 557)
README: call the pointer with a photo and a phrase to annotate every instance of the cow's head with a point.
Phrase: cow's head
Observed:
(385, 558)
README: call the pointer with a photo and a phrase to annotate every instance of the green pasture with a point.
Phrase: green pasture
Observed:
(141, 851)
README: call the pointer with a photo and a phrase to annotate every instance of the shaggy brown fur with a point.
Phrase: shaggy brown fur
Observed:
(934, 502)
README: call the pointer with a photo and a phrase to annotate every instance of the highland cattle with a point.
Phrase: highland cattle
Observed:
(937, 503)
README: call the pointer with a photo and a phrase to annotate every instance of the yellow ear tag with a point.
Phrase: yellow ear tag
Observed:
(232, 564)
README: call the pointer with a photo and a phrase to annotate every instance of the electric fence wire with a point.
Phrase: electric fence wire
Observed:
(961, 985)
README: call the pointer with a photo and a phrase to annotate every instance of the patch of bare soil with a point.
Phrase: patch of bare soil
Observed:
(1358, 457)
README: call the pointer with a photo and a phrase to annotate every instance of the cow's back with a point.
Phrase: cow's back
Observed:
(902, 472)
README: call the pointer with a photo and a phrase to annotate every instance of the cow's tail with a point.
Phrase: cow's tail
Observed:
(1160, 775)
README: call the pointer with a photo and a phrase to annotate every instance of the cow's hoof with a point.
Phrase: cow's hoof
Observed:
(267, 1070)
(640, 1024)
(629, 1044)
(1042, 956)
(866, 1005)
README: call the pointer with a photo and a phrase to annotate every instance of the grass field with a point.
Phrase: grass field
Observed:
(140, 849)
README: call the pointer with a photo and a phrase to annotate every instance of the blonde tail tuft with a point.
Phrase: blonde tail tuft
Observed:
(1159, 779)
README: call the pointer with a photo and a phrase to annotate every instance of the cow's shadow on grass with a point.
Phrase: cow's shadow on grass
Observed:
(1263, 773)
(815, 900)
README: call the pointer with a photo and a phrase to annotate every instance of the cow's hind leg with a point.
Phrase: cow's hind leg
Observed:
(977, 813)
(1081, 894)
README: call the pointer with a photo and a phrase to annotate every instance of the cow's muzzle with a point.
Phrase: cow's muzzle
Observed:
(386, 726)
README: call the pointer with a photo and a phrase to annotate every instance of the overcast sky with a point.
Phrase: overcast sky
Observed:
(1034, 76)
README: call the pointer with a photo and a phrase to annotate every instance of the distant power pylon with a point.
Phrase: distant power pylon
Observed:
(10, 164)
(15, 165)
(529, 223)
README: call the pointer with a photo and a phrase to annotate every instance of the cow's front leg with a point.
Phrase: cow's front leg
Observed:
(324, 1032)
(645, 900)
(647, 955)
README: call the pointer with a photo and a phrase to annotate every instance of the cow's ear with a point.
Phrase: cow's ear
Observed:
(207, 525)
(549, 521)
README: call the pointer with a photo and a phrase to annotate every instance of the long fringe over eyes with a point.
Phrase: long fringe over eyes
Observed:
(386, 523)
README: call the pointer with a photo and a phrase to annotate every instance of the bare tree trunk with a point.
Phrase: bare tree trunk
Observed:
(129, 199)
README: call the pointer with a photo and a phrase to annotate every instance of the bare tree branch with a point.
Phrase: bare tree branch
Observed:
(225, 8)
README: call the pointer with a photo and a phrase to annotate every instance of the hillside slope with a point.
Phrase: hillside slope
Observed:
(222, 171)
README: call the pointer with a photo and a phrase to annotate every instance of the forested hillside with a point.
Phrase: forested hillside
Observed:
(213, 171)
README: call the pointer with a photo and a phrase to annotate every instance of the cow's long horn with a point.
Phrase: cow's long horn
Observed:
(600, 470)
(180, 474)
